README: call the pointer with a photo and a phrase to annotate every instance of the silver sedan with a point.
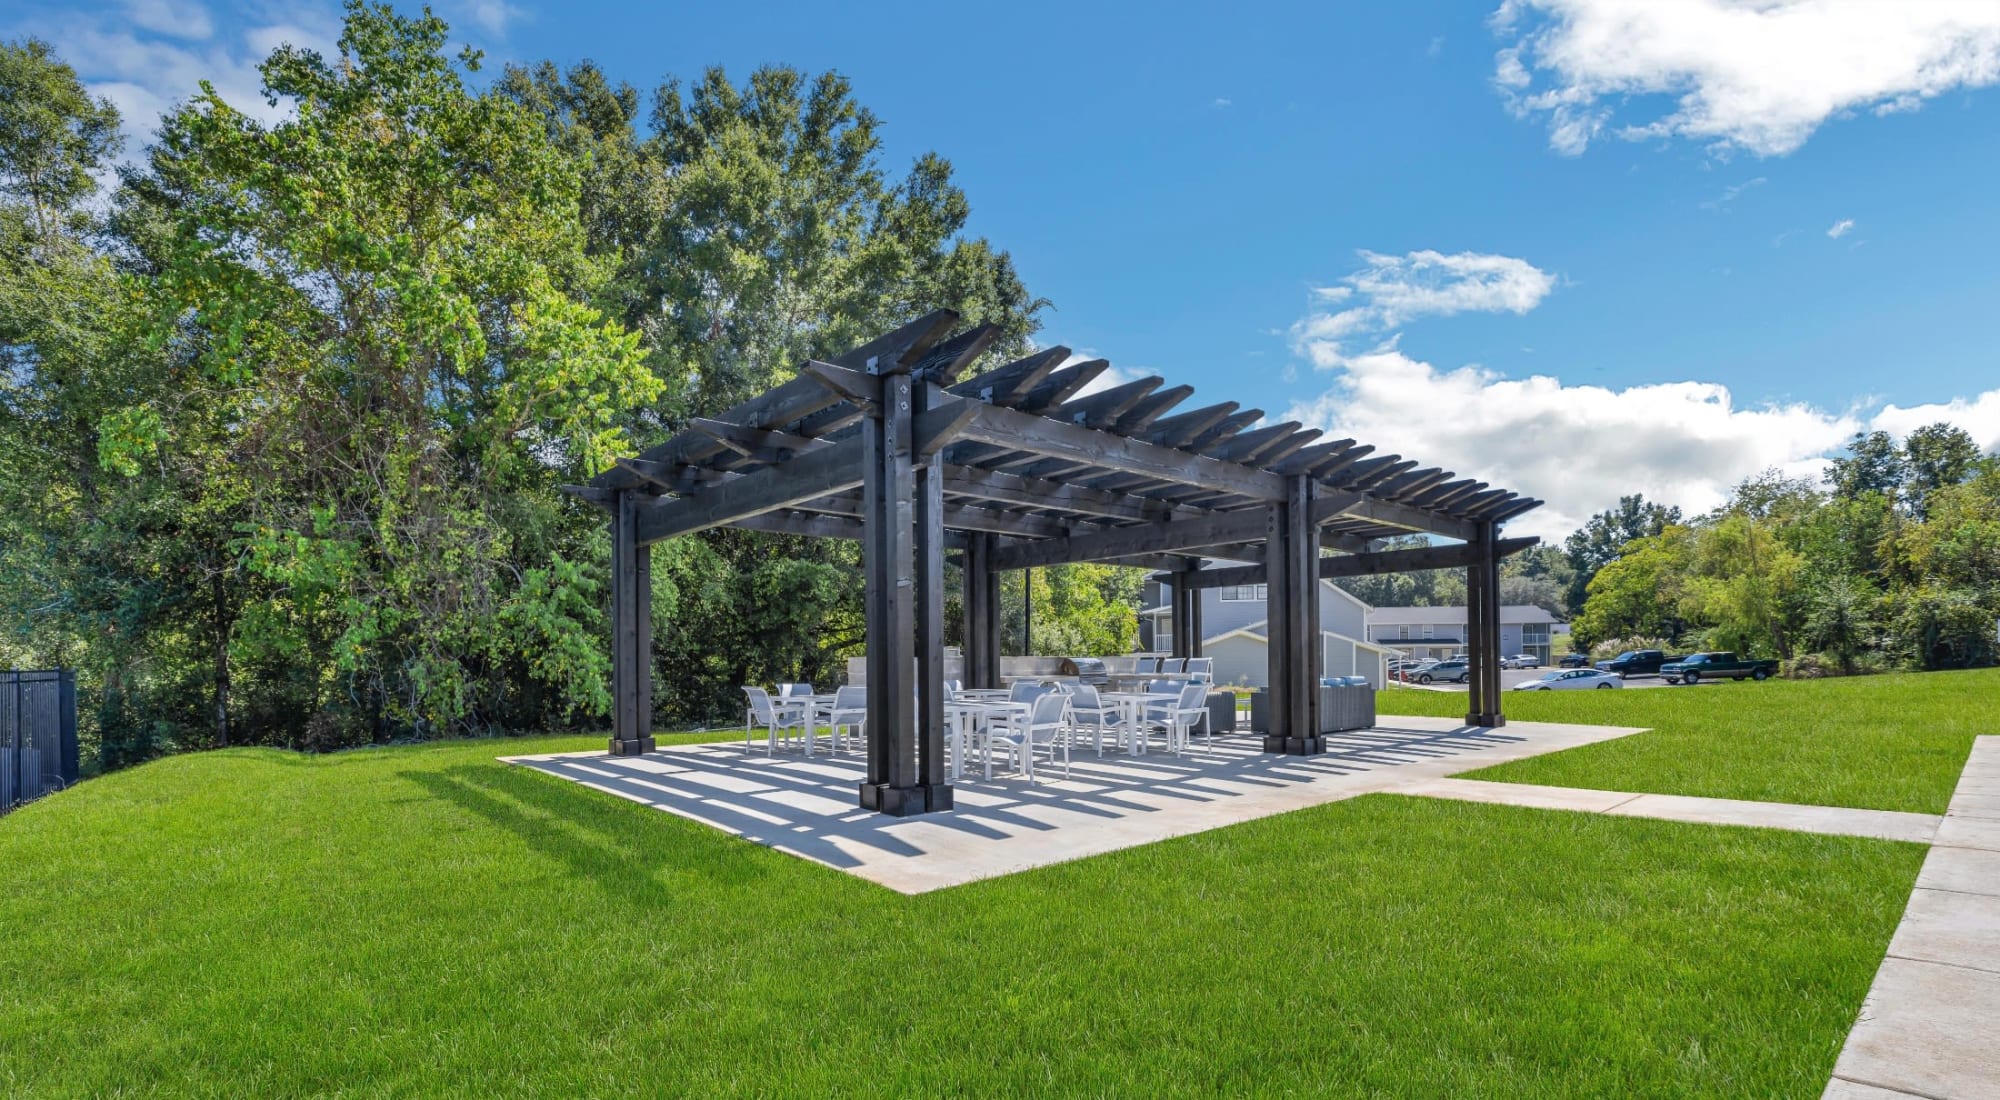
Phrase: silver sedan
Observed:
(1570, 679)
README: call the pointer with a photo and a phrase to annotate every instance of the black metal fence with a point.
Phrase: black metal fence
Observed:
(37, 734)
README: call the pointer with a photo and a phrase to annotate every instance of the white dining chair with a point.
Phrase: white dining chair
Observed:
(1189, 711)
(787, 715)
(1088, 709)
(850, 712)
(1041, 732)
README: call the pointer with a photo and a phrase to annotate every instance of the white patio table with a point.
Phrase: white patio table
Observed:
(1133, 703)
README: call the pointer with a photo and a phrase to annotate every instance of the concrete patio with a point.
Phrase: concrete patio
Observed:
(806, 806)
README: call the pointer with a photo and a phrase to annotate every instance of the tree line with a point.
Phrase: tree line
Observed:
(284, 405)
(1890, 561)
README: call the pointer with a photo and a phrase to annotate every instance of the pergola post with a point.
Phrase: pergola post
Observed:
(1291, 570)
(932, 775)
(1482, 610)
(1177, 594)
(982, 623)
(890, 593)
(631, 631)
(1194, 635)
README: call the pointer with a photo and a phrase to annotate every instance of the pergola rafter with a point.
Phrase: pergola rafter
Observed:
(896, 445)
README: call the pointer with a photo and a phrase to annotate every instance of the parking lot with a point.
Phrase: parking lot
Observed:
(1511, 676)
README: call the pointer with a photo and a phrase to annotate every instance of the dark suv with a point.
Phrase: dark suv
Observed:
(1637, 662)
(1575, 660)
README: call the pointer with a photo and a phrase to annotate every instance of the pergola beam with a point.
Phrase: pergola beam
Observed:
(1021, 431)
(1455, 556)
(792, 400)
(1215, 529)
(834, 469)
(1030, 492)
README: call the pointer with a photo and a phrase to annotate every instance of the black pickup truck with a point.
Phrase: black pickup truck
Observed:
(1696, 667)
(1636, 662)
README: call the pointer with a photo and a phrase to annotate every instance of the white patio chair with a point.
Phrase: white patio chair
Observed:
(1145, 666)
(1202, 669)
(1173, 664)
(850, 711)
(787, 715)
(1015, 719)
(1156, 712)
(1087, 708)
(1042, 732)
(1027, 691)
(1189, 711)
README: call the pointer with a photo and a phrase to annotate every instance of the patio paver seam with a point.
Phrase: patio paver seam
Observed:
(1943, 962)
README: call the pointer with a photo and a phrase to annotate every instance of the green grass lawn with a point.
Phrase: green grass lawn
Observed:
(424, 920)
(1874, 742)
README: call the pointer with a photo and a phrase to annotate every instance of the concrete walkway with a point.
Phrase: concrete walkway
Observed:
(1838, 821)
(1931, 1024)
(806, 806)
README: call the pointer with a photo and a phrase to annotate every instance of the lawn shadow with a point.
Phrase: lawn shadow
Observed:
(624, 853)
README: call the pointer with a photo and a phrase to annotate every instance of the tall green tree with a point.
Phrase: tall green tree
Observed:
(1605, 535)
(1640, 593)
(75, 586)
(54, 139)
(747, 227)
(1873, 464)
(1936, 456)
(379, 348)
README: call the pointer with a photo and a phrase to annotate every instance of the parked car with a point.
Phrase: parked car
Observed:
(1572, 679)
(1696, 667)
(1637, 662)
(1521, 660)
(1452, 671)
(1575, 659)
(1408, 672)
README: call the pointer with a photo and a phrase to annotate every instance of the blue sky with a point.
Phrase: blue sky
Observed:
(1575, 247)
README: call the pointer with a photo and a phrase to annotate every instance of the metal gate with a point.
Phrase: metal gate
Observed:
(37, 734)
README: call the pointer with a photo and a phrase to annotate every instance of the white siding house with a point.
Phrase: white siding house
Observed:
(1233, 624)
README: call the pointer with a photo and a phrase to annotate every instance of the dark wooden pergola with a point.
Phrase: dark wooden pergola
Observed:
(893, 445)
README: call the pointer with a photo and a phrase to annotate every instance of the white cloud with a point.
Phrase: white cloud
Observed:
(1220, 102)
(155, 53)
(1759, 75)
(1730, 194)
(171, 17)
(493, 16)
(1979, 415)
(1839, 229)
(1394, 290)
(1581, 447)
(150, 55)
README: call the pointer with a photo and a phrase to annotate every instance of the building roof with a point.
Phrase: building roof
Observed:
(1455, 615)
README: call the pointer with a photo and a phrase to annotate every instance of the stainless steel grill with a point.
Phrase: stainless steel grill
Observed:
(1086, 670)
